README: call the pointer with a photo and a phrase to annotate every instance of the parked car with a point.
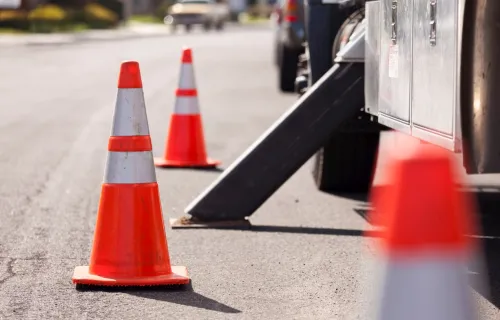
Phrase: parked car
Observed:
(288, 21)
(208, 13)
(263, 9)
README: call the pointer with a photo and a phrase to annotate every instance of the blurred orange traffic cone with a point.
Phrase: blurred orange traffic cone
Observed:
(425, 249)
(394, 145)
(130, 245)
(185, 145)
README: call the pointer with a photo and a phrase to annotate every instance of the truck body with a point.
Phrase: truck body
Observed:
(430, 72)
(417, 68)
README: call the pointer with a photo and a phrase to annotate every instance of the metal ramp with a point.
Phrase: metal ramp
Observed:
(280, 151)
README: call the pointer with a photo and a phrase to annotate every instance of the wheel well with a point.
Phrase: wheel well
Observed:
(346, 30)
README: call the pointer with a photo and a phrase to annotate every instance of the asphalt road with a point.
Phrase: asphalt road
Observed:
(306, 260)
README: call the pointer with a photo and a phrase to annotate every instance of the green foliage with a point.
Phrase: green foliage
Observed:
(49, 12)
(14, 19)
(99, 17)
(146, 19)
(47, 18)
(117, 6)
(53, 18)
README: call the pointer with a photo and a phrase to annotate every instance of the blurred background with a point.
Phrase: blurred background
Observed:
(64, 15)
(307, 254)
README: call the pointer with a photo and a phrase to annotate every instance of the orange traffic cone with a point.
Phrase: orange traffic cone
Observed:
(130, 246)
(185, 145)
(424, 245)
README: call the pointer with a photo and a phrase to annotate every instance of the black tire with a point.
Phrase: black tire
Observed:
(347, 161)
(188, 27)
(276, 55)
(287, 69)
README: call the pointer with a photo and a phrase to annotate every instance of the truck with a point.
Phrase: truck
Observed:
(426, 68)
(429, 73)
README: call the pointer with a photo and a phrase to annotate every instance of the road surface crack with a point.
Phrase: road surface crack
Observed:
(10, 271)
(10, 265)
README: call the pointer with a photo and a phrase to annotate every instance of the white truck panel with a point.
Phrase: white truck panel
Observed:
(436, 61)
(395, 64)
(419, 63)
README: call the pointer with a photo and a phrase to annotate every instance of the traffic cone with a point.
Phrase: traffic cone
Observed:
(393, 145)
(130, 246)
(424, 247)
(185, 144)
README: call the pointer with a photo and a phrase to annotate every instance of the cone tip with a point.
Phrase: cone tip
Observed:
(130, 75)
(187, 55)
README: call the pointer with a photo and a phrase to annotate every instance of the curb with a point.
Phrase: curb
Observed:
(88, 36)
(75, 38)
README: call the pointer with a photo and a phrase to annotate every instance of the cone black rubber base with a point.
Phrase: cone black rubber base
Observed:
(179, 276)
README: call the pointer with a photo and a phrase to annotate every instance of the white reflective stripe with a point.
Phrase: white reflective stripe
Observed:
(186, 79)
(431, 289)
(130, 167)
(129, 118)
(186, 105)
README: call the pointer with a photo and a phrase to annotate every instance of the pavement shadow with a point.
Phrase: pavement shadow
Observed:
(308, 230)
(217, 169)
(363, 197)
(238, 226)
(290, 229)
(489, 273)
(487, 202)
(183, 295)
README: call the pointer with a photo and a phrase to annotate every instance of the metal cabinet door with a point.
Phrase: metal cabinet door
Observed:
(435, 54)
(395, 63)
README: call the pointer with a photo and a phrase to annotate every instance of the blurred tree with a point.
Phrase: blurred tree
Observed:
(70, 3)
(117, 6)
(31, 4)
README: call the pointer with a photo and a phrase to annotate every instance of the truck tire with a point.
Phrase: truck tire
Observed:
(288, 66)
(347, 161)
